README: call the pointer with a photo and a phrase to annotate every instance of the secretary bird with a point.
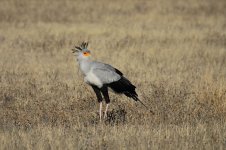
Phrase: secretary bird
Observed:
(101, 76)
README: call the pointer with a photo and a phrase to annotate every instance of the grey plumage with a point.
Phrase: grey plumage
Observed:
(105, 73)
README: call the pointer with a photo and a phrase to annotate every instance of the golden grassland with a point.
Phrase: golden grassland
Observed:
(173, 51)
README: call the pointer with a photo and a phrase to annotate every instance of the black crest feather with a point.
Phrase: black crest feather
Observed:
(83, 45)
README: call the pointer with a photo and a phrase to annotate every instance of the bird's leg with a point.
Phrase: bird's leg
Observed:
(99, 98)
(104, 91)
(100, 110)
(105, 113)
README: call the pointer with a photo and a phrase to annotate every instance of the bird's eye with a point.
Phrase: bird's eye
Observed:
(86, 53)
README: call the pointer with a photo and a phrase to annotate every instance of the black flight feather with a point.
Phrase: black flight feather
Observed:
(124, 86)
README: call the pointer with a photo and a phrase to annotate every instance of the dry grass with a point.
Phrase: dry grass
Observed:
(174, 51)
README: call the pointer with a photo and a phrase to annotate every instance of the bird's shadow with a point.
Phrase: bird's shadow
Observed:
(114, 117)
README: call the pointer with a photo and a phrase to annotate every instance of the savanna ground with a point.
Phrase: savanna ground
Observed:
(173, 51)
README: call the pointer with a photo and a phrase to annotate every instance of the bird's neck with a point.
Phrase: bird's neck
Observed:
(85, 65)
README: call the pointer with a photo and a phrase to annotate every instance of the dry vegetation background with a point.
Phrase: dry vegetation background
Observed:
(173, 51)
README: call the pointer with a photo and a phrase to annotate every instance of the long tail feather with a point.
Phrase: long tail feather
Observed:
(146, 107)
(137, 99)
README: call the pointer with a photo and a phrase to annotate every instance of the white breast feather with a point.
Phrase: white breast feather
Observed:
(91, 78)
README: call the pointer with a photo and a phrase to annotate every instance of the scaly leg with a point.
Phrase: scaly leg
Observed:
(105, 113)
(104, 91)
(100, 110)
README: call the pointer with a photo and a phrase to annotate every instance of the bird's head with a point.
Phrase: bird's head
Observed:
(81, 51)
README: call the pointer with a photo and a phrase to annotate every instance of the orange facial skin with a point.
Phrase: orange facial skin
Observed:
(86, 54)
